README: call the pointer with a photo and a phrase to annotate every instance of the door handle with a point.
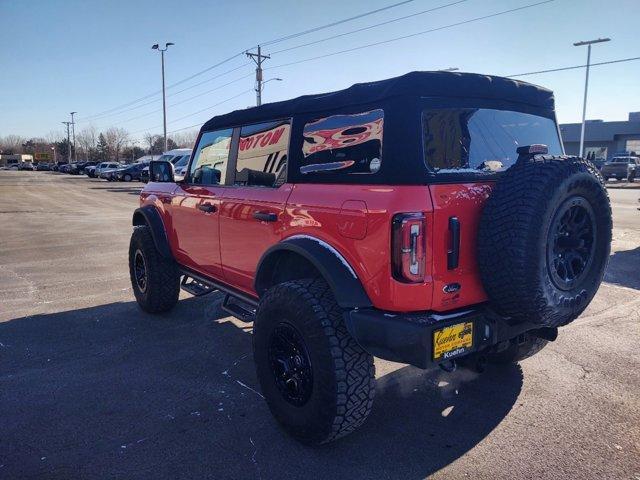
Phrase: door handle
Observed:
(265, 216)
(207, 207)
(453, 254)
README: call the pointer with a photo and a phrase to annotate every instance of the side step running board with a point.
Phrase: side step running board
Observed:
(194, 287)
(241, 310)
(236, 303)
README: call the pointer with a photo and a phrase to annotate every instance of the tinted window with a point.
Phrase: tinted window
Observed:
(209, 164)
(262, 154)
(343, 144)
(483, 139)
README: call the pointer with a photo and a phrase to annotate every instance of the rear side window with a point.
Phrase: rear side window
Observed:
(482, 139)
(342, 145)
(209, 164)
(262, 154)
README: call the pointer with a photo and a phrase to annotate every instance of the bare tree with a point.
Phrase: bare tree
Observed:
(150, 139)
(116, 139)
(185, 139)
(55, 136)
(12, 144)
(86, 141)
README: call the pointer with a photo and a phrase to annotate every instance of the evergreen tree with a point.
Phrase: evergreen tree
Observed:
(102, 148)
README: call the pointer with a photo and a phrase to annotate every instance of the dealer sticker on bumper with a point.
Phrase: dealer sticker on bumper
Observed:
(452, 341)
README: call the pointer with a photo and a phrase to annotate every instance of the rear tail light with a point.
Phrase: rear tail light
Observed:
(409, 247)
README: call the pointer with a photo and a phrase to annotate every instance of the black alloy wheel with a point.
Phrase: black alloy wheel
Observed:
(140, 270)
(290, 364)
(571, 242)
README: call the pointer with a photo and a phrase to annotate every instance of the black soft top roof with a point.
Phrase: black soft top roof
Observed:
(419, 84)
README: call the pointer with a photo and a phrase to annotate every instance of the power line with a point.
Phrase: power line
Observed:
(395, 39)
(195, 113)
(188, 99)
(369, 27)
(119, 122)
(197, 74)
(270, 42)
(133, 102)
(508, 76)
(333, 24)
(574, 67)
(101, 117)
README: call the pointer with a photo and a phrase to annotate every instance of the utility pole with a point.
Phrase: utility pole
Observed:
(586, 85)
(68, 142)
(258, 57)
(73, 128)
(164, 100)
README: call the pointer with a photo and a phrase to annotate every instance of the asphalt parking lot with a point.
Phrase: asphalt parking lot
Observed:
(91, 387)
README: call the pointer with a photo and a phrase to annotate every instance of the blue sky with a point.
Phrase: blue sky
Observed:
(92, 56)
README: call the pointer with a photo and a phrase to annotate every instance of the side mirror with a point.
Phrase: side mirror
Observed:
(161, 171)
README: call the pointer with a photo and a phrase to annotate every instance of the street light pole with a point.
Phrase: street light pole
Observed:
(164, 101)
(586, 85)
(68, 142)
(73, 127)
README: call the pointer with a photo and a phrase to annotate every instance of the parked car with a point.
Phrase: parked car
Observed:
(104, 166)
(173, 156)
(620, 167)
(90, 171)
(25, 166)
(82, 166)
(109, 172)
(42, 167)
(144, 174)
(129, 172)
(180, 167)
(632, 169)
(469, 238)
(599, 162)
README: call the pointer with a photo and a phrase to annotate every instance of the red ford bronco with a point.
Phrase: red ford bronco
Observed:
(428, 219)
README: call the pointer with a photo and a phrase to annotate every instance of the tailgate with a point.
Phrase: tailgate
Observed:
(456, 217)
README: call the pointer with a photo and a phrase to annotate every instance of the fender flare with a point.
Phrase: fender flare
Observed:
(334, 268)
(149, 215)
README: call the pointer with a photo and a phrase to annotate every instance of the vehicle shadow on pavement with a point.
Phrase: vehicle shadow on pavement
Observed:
(110, 391)
(623, 268)
(110, 187)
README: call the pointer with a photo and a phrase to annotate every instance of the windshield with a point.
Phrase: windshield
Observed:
(482, 139)
(165, 158)
(183, 161)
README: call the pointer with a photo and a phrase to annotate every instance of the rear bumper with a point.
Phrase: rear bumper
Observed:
(408, 338)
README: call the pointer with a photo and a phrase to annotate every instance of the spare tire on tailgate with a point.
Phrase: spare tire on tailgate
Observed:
(544, 239)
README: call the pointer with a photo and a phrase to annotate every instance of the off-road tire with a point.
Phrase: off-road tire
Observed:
(343, 384)
(163, 278)
(518, 350)
(516, 228)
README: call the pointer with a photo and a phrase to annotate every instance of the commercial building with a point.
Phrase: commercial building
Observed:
(603, 139)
